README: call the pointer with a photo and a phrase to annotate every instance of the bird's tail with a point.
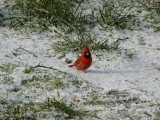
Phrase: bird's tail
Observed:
(71, 65)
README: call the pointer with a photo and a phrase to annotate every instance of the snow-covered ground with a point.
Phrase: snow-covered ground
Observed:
(139, 75)
(130, 85)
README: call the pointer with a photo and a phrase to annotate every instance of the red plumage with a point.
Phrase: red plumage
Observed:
(83, 62)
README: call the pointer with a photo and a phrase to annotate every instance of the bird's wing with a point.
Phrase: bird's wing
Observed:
(77, 61)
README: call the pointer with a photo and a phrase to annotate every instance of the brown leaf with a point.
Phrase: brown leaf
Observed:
(158, 48)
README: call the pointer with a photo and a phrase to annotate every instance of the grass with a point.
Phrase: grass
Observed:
(153, 15)
(58, 95)
(59, 82)
(28, 70)
(52, 81)
(151, 5)
(37, 15)
(67, 109)
(68, 15)
(50, 108)
(70, 44)
(98, 100)
(112, 98)
(118, 13)
(8, 67)
(157, 115)
(7, 79)
(153, 19)
(55, 107)
(16, 111)
(35, 79)
(65, 14)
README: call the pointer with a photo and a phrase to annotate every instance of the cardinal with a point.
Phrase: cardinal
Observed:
(83, 62)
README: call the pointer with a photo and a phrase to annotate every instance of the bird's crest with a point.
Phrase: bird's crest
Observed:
(86, 48)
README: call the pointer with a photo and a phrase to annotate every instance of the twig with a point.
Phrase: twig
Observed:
(158, 68)
(139, 90)
(42, 66)
(131, 82)
(136, 85)
(157, 30)
(123, 38)
(147, 113)
(8, 56)
(28, 51)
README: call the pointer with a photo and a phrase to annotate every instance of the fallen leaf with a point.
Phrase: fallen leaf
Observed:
(158, 48)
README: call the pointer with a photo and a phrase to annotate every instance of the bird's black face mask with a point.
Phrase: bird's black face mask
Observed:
(87, 54)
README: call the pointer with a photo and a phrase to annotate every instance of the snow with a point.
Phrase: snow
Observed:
(111, 72)
(138, 75)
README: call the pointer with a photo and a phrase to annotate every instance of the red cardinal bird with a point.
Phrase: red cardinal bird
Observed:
(83, 62)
